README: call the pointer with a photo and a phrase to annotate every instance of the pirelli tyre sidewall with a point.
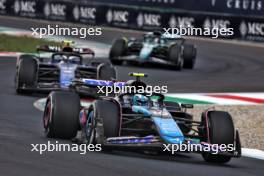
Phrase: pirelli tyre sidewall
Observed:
(174, 55)
(189, 55)
(117, 50)
(26, 73)
(61, 115)
(106, 71)
(218, 129)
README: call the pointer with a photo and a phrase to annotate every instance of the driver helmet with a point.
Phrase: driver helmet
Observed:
(67, 46)
(140, 100)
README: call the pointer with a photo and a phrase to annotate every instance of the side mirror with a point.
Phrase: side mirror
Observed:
(187, 106)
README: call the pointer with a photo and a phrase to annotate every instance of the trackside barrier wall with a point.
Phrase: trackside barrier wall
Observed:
(246, 17)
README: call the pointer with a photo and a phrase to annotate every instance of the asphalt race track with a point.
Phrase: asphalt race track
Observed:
(220, 68)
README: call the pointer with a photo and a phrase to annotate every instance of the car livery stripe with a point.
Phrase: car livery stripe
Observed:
(169, 130)
(131, 140)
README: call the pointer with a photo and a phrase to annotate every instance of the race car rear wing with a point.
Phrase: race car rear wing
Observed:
(96, 85)
(96, 82)
(67, 49)
(93, 88)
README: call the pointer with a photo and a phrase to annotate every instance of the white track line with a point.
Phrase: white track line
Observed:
(253, 153)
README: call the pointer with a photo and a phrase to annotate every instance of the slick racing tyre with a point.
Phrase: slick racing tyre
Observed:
(220, 131)
(106, 72)
(26, 73)
(189, 55)
(174, 55)
(118, 49)
(61, 115)
(107, 120)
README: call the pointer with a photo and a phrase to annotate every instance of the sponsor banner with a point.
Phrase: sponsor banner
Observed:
(148, 20)
(235, 7)
(176, 20)
(3, 6)
(86, 14)
(56, 10)
(251, 29)
(120, 17)
(245, 27)
(25, 8)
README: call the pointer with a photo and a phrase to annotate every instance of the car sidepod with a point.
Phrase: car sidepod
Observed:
(168, 130)
(146, 51)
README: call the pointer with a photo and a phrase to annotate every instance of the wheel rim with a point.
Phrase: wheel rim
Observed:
(89, 130)
(181, 63)
(17, 79)
(47, 115)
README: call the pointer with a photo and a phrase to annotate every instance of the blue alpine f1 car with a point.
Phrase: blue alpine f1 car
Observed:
(154, 48)
(138, 121)
(38, 73)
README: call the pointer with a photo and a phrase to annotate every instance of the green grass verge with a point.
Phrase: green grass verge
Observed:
(184, 100)
(23, 44)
